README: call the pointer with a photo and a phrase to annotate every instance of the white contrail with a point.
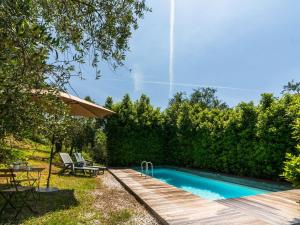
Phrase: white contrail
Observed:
(189, 85)
(171, 47)
(137, 77)
(198, 86)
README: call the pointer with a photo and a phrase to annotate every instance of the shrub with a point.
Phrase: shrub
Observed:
(99, 151)
(292, 168)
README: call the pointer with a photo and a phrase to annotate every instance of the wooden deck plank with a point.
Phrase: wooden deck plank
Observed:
(178, 207)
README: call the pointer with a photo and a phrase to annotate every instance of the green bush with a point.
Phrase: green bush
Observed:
(134, 133)
(99, 151)
(292, 169)
(247, 140)
(292, 163)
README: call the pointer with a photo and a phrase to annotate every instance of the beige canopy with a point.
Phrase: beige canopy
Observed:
(80, 107)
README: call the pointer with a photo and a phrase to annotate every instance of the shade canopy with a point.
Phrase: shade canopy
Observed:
(80, 107)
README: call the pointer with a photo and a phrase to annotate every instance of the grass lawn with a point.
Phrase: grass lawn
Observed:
(80, 199)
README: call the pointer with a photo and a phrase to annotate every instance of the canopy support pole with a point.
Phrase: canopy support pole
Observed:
(48, 188)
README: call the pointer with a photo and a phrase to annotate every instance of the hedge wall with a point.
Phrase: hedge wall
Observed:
(249, 140)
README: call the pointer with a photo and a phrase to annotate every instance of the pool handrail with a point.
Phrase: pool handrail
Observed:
(146, 168)
(151, 167)
(142, 168)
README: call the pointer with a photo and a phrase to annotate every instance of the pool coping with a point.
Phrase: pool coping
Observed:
(247, 214)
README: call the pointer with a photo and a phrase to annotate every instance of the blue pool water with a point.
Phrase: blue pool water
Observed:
(204, 187)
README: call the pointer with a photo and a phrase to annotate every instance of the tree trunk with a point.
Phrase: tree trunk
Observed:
(71, 150)
(50, 162)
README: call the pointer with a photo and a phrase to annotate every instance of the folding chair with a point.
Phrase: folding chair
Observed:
(69, 165)
(81, 161)
(15, 196)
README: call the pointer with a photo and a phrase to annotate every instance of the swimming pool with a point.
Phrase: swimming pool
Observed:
(204, 187)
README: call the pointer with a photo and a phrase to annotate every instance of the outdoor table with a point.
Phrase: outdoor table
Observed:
(26, 169)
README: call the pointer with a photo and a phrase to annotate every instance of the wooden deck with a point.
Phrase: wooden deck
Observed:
(175, 206)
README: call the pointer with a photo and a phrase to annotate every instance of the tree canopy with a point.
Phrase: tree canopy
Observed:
(42, 44)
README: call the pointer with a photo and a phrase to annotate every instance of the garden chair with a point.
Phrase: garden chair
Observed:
(15, 195)
(69, 165)
(81, 161)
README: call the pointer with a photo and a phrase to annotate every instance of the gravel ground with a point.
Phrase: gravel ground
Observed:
(112, 198)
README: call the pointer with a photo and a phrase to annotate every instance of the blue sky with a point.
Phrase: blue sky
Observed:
(242, 48)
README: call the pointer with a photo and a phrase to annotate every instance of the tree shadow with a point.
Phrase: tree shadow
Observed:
(81, 175)
(46, 202)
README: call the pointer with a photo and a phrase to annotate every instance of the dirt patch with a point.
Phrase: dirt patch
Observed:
(112, 198)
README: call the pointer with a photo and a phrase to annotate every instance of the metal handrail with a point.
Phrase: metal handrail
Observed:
(151, 167)
(146, 168)
(142, 168)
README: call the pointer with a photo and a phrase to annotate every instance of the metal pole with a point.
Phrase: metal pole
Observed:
(48, 188)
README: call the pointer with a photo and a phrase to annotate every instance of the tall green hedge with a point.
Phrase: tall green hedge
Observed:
(134, 134)
(292, 165)
(248, 140)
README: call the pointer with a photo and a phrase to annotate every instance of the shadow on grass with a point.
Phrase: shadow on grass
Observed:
(46, 202)
(79, 175)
